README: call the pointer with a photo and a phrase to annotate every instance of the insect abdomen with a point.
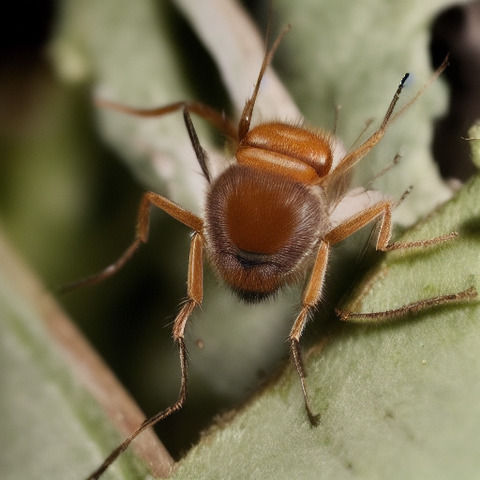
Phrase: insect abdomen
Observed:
(260, 227)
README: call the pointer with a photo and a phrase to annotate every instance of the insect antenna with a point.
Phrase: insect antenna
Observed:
(365, 127)
(435, 75)
(200, 152)
(383, 171)
(356, 155)
(246, 118)
(336, 118)
(405, 194)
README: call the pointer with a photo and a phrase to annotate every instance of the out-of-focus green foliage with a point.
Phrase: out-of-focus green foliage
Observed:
(397, 400)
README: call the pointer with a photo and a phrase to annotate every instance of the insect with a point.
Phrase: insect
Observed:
(270, 217)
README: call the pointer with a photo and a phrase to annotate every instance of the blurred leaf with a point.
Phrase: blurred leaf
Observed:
(474, 138)
(51, 426)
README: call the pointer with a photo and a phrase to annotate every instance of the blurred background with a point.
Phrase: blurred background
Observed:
(68, 204)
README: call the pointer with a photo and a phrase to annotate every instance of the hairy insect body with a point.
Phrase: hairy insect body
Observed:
(260, 228)
(266, 214)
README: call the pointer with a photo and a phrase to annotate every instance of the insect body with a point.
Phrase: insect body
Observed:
(270, 217)
(264, 216)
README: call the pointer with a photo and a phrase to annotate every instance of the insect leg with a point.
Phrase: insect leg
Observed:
(383, 210)
(311, 297)
(195, 297)
(143, 223)
(412, 308)
(218, 119)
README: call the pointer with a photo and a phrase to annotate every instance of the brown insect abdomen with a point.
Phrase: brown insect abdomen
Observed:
(257, 222)
(260, 227)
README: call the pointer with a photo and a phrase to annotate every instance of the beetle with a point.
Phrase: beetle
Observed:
(270, 217)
